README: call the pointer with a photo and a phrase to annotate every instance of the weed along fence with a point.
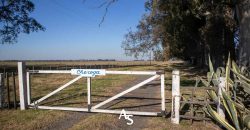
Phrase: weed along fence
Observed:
(25, 89)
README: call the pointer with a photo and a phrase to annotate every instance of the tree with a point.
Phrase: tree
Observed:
(140, 42)
(243, 12)
(15, 19)
(169, 25)
(218, 32)
(186, 29)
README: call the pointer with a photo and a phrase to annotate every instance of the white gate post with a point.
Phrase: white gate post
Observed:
(175, 117)
(220, 108)
(1, 90)
(22, 85)
(89, 93)
(28, 87)
(163, 107)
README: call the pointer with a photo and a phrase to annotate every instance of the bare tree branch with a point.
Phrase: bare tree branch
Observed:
(107, 4)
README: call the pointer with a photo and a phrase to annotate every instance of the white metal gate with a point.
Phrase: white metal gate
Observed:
(25, 100)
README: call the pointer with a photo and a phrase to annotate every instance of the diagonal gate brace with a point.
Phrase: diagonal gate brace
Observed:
(57, 90)
(126, 91)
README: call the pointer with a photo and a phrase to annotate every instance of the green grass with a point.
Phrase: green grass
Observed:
(28, 120)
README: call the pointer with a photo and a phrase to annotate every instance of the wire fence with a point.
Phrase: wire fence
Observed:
(8, 90)
(193, 102)
(13, 67)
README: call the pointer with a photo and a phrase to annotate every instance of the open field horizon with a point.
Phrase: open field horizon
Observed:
(77, 62)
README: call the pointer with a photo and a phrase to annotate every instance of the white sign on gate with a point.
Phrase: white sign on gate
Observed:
(88, 72)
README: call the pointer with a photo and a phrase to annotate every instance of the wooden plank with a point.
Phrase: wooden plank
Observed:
(132, 72)
(199, 88)
(126, 91)
(107, 72)
(163, 107)
(28, 87)
(60, 108)
(97, 110)
(198, 102)
(192, 105)
(127, 112)
(194, 118)
(175, 97)
(14, 89)
(89, 93)
(8, 89)
(1, 90)
(50, 71)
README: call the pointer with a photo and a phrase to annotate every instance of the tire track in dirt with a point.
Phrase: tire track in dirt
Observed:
(148, 99)
(68, 121)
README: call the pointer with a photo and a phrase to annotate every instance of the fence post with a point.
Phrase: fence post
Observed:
(1, 90)
(22, 85)
(175, 117)
(28, 87)
(14, 89)
(8, 89)
(220, 108)
(89, 93)
(163, 107)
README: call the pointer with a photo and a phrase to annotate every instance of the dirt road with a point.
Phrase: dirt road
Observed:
(146, 98)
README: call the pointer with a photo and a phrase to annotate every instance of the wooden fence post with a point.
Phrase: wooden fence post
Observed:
(175, 116)
(14, 89)
(28, 87)
(220, 108)
(22, 85)
(8, 89)
(163, 106)
(1, 89)
(89, 92)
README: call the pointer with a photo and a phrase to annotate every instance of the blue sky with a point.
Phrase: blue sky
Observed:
(73, 32)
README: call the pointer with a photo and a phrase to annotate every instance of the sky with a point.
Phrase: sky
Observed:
(73, 32)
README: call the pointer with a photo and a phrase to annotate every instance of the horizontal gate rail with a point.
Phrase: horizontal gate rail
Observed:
(107, 72)
(97, 110)
(50, 71)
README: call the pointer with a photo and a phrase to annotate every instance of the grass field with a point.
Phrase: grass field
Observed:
(60, 63)
(103, 86)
